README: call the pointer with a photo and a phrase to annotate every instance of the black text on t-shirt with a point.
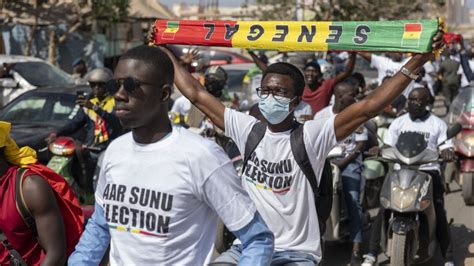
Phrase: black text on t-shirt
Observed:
(273, 176)
(144, 211)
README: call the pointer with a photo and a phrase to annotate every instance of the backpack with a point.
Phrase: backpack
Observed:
(68, 204)
(322, 192)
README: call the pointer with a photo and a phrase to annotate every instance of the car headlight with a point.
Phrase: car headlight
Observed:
(403, 198)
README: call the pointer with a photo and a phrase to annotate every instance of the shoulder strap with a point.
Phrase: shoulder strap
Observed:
(20, 201)
(301, 156)
(255, 136)
(15, 257)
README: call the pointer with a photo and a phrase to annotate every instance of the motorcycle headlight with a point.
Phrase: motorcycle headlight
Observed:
(403, 198)
(469, 141)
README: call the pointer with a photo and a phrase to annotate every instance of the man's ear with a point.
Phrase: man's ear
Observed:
(166, 92)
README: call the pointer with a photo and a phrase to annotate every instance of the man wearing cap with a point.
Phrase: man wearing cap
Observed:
(46, 243)
(97, 114)
(318, 91)
(79, 70)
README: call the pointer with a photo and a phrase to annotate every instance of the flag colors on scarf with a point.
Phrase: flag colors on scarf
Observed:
(396, 36)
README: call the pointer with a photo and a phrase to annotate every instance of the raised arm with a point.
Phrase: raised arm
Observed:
(349, 68)
(366, 56)
(260, 64)
(196, 93)
(465, 63)
(355, 115)
(41, 202)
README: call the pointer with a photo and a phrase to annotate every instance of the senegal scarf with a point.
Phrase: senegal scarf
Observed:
(376, 36)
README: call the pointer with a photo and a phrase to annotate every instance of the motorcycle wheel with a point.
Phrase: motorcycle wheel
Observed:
(467, 188)
(400, 253)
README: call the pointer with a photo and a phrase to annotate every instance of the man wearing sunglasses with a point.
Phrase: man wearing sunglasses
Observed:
(273, 178)
(97, 115)
(161, 187)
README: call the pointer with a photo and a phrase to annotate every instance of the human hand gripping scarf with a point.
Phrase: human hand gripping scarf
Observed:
(13, 154)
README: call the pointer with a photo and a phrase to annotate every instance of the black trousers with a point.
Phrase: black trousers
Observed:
(442, 226)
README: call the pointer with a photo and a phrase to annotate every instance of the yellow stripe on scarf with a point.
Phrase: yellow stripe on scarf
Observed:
(14, 155)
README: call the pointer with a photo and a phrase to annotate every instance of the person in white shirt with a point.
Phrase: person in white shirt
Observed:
(387, 67)
(351, 165)
(181, 106)
(161, 187)
(273, 179)
(420, 121)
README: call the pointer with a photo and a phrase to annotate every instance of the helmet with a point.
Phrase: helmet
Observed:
(215, 79)
(99, 75)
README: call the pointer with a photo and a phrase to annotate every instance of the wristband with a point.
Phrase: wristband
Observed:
(407, 73)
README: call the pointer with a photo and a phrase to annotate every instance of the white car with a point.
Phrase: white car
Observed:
(24, 73)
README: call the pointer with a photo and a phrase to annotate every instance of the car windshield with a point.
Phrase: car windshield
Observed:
(40, 74)
(40, 109)
(462, 108)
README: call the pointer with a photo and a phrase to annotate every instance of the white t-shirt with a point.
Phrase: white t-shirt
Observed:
(277, 185)
(433, 129)
(302, 109)
(181, 106)
(160, 200)
(349, 144)
(387, 67)
(464, 81)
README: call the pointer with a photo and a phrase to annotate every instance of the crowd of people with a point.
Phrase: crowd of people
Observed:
(162, 186)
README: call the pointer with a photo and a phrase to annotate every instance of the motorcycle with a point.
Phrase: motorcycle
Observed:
(375, 169)
(462, 170)
(69, 160)
(409, 224)
(337, 225)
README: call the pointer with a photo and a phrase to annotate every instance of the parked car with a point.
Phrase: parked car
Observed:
(24, 73)
(235, 86)
(38, 112)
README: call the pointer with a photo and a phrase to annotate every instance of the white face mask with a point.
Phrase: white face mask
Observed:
(275, 111)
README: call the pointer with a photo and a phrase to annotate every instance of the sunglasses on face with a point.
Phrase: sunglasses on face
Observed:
(96, 84)
(129, 84)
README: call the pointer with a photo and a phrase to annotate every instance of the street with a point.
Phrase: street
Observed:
(462, 235)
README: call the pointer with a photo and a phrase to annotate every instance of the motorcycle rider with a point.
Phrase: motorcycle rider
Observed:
(97, 114)
(288, 206)
(420, 120)
(351, 165)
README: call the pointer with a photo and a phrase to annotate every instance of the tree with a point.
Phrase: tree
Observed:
(346, 10)
(77, 15)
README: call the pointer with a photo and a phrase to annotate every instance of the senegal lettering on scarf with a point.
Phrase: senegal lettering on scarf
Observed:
(100, 131)
(396, 36)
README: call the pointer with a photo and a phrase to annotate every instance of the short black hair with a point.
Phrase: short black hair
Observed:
(359, 77)
(313, 64)
(287, 69)
(346, 82)
(155, 58)
(422, 89)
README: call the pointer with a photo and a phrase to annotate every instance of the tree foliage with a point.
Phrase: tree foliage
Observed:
(349, 10)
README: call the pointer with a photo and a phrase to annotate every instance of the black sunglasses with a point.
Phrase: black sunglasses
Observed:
(129, 84)
(95, 84)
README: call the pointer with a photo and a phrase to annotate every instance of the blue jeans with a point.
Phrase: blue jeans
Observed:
(287, 258)
(351, 186)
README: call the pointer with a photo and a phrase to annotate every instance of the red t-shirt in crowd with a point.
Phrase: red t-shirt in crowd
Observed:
(319, 98)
